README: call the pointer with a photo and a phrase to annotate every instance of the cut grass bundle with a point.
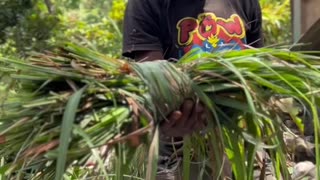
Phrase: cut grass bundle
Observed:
(75, 100)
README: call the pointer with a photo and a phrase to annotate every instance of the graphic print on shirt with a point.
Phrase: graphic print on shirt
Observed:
(210, 33)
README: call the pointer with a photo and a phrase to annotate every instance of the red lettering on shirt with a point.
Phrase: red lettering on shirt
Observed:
(210, 28)
(186, 27)
(232, 26)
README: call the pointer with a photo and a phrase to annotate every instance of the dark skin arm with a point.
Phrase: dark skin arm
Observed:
(188, 119)
(148, 55)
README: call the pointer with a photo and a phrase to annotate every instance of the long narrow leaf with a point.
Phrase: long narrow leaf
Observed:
(66, 129)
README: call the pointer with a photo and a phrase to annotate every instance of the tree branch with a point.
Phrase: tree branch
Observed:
(50, 6)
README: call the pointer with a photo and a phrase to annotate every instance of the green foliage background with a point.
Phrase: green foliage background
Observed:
(27, 25)
(276, 21)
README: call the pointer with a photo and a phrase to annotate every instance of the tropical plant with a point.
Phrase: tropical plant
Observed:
(276, 17)
(38, 25)
(26, 25)
(73, 101)
(96, 25)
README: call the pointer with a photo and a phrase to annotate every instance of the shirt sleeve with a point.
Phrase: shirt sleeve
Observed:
(141, 29)
(255, 34)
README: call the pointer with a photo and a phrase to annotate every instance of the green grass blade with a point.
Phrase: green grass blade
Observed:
(2, 173)
(87, 139)
(66, 129)
(153, 156)
(234, 151)
(186, 158)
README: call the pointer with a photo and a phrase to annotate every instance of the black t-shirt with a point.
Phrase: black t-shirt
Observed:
(177, 26)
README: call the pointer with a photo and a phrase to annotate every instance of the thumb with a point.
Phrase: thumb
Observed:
(172, 119)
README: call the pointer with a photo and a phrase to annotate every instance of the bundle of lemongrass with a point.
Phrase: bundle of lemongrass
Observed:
(60, 106)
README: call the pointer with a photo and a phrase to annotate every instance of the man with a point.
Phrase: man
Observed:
(168, 29)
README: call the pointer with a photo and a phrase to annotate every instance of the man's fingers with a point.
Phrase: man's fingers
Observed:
(193, 119)
(167, 125)
(174, 118)
(199, 126)
(203, 121)
(186, 111)
(200, 108)
(200, 119)
(204, 118)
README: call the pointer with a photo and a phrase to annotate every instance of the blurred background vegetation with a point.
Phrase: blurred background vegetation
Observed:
(276, 21)
(27, 25)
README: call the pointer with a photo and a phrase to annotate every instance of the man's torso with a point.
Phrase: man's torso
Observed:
(205, 25)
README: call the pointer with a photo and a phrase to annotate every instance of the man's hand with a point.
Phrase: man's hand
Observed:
(190, 118)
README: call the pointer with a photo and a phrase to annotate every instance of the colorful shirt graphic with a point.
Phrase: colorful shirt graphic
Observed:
(210, 33)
